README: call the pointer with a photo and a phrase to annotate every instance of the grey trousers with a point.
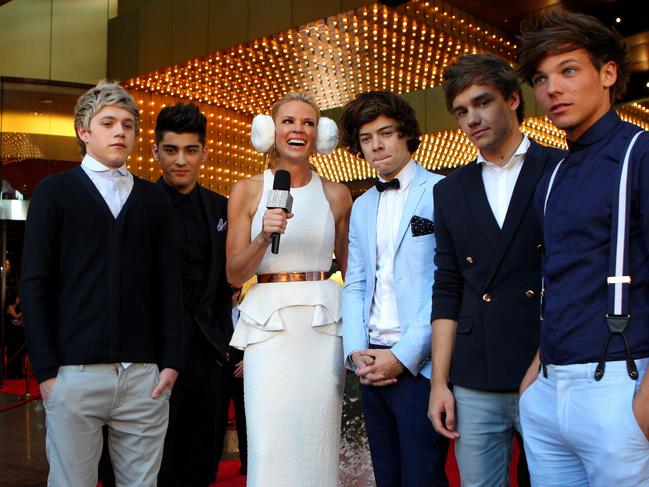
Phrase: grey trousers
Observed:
(82, 400)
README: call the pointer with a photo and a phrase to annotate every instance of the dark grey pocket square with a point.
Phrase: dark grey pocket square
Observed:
(421, 226)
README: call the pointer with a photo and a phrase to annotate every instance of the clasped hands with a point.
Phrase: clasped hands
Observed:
(377, 367)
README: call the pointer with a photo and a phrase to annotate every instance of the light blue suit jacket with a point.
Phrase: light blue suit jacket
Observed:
(413, 275)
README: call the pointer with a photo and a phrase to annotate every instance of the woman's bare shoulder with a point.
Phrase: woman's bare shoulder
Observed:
(337, 190)
(333, 186)
(338, 196)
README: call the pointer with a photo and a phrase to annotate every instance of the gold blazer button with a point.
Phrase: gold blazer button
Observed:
(530, 294)
(486, 297)
(469, 259)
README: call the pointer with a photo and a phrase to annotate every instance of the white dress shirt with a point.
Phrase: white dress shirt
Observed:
(114, 185)
(384, 327)
(499, 181)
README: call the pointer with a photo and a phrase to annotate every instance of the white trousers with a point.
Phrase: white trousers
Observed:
(582, 432)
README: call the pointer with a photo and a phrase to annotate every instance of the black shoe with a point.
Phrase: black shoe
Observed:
(244, 469)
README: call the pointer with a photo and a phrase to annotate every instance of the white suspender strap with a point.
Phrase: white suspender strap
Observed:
(621, 278)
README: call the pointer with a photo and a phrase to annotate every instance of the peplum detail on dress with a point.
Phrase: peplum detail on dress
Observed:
(307, 245)
(260, 315)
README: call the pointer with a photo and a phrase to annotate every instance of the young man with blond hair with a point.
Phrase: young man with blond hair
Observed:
(101, 289)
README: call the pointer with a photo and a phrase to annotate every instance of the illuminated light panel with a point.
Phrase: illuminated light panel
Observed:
(636, 113)
(401, 49)
(231, 155)
(17, 147)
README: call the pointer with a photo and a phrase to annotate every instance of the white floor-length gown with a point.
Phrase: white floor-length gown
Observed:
(293, 364)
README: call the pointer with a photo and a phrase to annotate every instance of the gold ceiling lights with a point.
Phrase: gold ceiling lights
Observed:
(231, 156)
(438, 152)
(17, 147)
(400, 49)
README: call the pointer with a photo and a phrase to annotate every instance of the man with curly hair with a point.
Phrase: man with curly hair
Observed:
(387, 294)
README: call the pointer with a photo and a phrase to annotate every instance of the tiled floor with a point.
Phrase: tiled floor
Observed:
(22, 443)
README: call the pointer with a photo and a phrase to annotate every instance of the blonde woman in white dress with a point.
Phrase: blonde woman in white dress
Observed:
(290, 331)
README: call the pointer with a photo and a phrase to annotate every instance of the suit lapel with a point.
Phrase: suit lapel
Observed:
(417, 188)
(478, 203)
(524, 190)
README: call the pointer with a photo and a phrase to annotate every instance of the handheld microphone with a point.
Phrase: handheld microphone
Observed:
(280, 197)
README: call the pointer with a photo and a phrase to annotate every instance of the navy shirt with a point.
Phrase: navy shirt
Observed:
(577, 234)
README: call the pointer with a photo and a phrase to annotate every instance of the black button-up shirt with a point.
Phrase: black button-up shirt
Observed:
(194, 240)
(577, 237)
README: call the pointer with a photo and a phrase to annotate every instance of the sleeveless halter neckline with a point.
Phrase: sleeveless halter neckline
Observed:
(306, 246)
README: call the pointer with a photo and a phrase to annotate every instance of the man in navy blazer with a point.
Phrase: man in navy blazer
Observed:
(387, 294)
(485, 313)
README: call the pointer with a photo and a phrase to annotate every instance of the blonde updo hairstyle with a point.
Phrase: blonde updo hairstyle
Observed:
(273, 155)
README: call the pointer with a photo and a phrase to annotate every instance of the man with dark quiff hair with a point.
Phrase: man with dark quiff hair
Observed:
(197, 412)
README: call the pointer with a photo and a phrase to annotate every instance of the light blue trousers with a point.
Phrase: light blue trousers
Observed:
(486, 422)
(582, 432)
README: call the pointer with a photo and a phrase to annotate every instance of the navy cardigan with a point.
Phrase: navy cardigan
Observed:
(97, 289)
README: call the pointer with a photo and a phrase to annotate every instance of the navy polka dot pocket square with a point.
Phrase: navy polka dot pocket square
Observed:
(421, 226)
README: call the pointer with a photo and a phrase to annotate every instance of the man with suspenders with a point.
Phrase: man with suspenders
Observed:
(584, 403)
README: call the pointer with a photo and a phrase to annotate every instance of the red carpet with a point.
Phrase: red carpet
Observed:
(17, 387)
(229, 472)
(229, 469)
(229, 475)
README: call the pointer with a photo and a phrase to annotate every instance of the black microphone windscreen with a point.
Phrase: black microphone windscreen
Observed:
(282, 181)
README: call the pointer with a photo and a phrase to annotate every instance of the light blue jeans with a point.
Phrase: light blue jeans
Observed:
(580, 432)
(486, 422)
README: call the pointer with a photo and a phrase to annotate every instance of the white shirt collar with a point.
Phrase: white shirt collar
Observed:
(521, 150)
(92, 164)
(405, 176)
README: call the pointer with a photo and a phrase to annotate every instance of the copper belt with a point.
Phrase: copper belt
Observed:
(293, 277)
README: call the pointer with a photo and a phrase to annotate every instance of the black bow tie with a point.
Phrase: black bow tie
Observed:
(382, 186)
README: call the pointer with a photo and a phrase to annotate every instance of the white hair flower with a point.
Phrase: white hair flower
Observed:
(262, 133)
(327, 139)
